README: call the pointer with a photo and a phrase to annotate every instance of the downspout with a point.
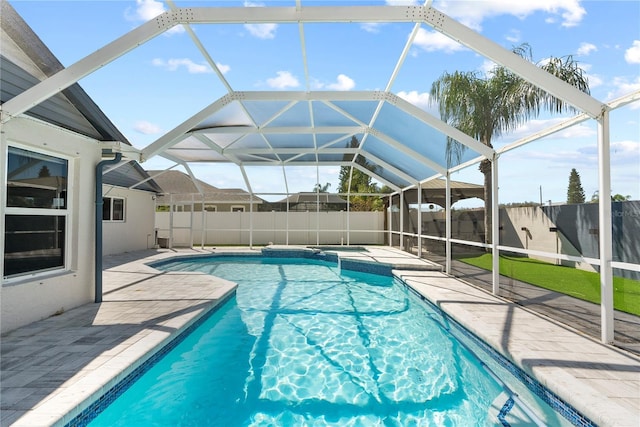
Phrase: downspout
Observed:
(98, 219)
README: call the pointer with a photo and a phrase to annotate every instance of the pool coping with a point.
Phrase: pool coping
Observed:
(140, 304)
(600, 381)
(617, 376)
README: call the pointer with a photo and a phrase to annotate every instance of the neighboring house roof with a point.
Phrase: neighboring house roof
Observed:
(434, 192)
(183, 189)
(26, 61)
(313, 197)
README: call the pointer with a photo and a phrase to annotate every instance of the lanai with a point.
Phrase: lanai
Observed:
(399, 144)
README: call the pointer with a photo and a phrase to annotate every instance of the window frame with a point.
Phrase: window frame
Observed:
(65, 212)
(111, 209)
(237, 208)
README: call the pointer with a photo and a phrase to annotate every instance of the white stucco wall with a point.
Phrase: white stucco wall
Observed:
(26, 299)
(137, 232)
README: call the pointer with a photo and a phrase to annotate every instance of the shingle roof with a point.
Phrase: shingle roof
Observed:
(182, 188)
(313, 198)
(26, 61)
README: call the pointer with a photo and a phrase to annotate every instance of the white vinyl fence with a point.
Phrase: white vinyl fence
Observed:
(185, 229)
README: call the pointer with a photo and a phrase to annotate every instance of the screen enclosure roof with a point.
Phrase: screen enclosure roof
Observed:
(397, 142)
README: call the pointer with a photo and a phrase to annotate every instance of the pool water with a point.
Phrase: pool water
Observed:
(303, 343)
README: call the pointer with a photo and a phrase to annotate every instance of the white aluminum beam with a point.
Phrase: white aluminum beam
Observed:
(525, 69)
(279, 130)
(176, 134)
(306, 14)
(495, 226)
(447, 208)
(605, 233)
(70, 75)
(263, 151)
(616, 103)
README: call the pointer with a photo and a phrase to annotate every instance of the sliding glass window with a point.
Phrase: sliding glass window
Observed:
(36, 212)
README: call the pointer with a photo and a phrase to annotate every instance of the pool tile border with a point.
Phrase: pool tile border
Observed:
(95, 408)
(563, 408)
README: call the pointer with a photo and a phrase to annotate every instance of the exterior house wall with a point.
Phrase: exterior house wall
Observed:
(185, 206)
(137, 231)
(28, 298)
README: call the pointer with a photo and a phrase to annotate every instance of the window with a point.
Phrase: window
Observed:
(36, 212)
(113, 209)
(210, 208)
(237, 208)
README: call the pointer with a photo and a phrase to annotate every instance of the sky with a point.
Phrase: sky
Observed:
(154, 88)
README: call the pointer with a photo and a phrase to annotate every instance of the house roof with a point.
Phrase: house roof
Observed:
(25, 61)
(313, 198)
(434, 191)
(131, 175)
(182, 188)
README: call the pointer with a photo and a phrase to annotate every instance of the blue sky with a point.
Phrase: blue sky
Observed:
(155, 87)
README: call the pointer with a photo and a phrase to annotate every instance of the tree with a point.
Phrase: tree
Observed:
(322, 188)
(44, 172)
(354, 180)
(575, 193)
(620, 198)
(484, 107)
(595, 198)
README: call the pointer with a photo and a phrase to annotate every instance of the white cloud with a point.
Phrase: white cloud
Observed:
(371, 27)
(513, 36)
(262, 31)
(533, 126)
(149, 9)
(625, 152)
(487, 66)
(632, 55)
(284, 80)
(224, 69)
(473, 13)
(343, 82)
(431, 41)
(594, 80)
(147, 128)
(624, 87)
(416, 98)
(145, 10)
(586, 48)
(174, 63)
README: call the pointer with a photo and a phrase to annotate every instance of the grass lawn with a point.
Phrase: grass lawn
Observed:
(567, 280)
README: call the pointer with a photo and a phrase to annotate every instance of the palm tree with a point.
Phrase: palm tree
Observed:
(319, 188)
(485, 107)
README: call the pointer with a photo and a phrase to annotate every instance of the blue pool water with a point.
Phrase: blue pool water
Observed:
(303, 343)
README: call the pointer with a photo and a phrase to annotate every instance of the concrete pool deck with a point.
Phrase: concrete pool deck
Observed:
(51, 367)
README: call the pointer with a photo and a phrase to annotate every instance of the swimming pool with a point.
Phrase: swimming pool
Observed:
(304, 343)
